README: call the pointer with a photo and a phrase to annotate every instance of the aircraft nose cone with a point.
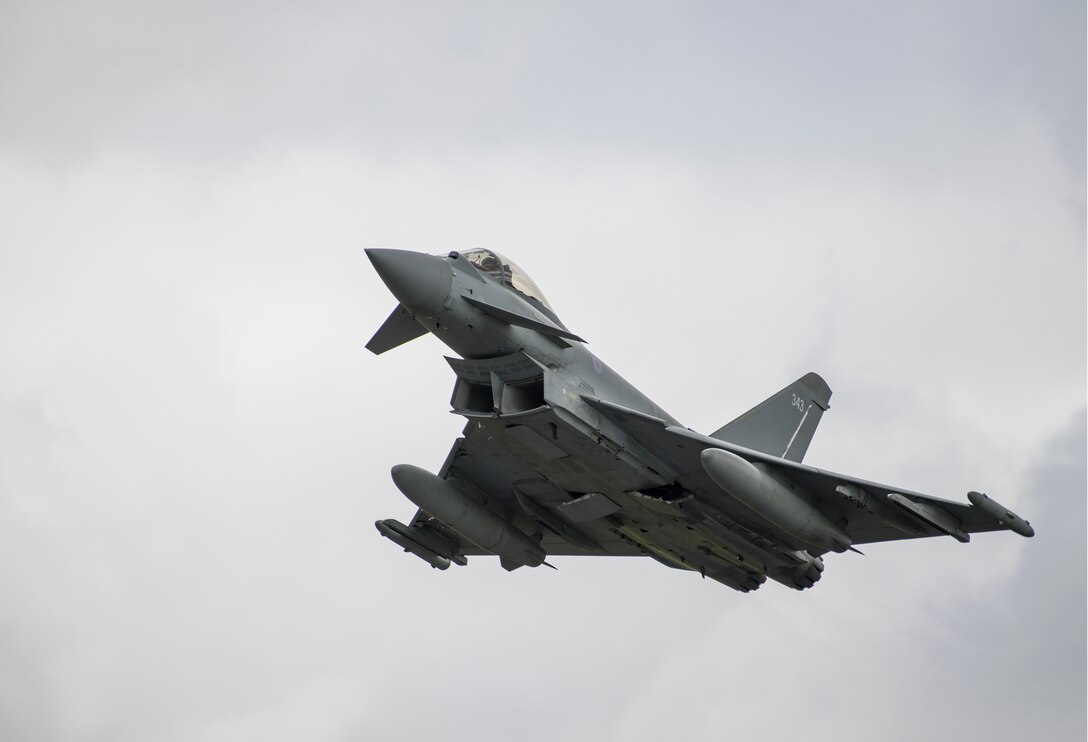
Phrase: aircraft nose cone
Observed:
(421, 282)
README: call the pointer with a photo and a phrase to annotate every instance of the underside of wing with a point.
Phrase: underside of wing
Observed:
(483, 468)
(531, 479)
(867, 511)
(540, 475)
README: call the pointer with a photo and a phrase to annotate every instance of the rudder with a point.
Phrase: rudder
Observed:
(783, 424)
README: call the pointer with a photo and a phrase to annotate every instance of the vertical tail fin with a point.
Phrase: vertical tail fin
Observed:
(782, 425)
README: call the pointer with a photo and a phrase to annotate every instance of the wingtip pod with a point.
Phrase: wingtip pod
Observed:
(1001, 514)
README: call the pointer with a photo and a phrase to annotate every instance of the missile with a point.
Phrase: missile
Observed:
(763, 492)
(467, 517)
(748, 553)
(1001, 514)
(390, 531)
(797, 570)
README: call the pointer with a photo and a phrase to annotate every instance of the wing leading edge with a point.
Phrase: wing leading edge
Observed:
(870, 512)
(509, 472)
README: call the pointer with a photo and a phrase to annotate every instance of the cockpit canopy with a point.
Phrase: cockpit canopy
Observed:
(507, 272)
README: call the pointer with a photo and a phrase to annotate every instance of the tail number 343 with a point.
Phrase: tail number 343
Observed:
(799, 403)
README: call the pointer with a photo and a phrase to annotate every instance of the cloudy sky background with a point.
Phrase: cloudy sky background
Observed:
(194, 443)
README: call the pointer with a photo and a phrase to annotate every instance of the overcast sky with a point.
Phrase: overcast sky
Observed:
(719, 196)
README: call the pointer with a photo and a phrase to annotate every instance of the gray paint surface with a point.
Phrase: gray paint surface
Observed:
(189, 459)
(737, 507)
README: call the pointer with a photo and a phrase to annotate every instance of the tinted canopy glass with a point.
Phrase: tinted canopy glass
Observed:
(501, 269)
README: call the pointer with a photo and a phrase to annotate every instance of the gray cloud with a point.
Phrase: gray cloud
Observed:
(699, 79)
(193, 443)
(1036, 627)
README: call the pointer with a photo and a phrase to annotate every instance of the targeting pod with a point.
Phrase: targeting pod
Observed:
(1001, 514)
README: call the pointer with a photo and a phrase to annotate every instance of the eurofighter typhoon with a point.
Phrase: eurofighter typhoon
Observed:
(561, 456)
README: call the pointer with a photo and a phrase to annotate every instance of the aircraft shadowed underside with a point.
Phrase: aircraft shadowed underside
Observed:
(561, 456)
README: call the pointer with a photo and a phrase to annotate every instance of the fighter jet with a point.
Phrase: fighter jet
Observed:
(560, 456)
